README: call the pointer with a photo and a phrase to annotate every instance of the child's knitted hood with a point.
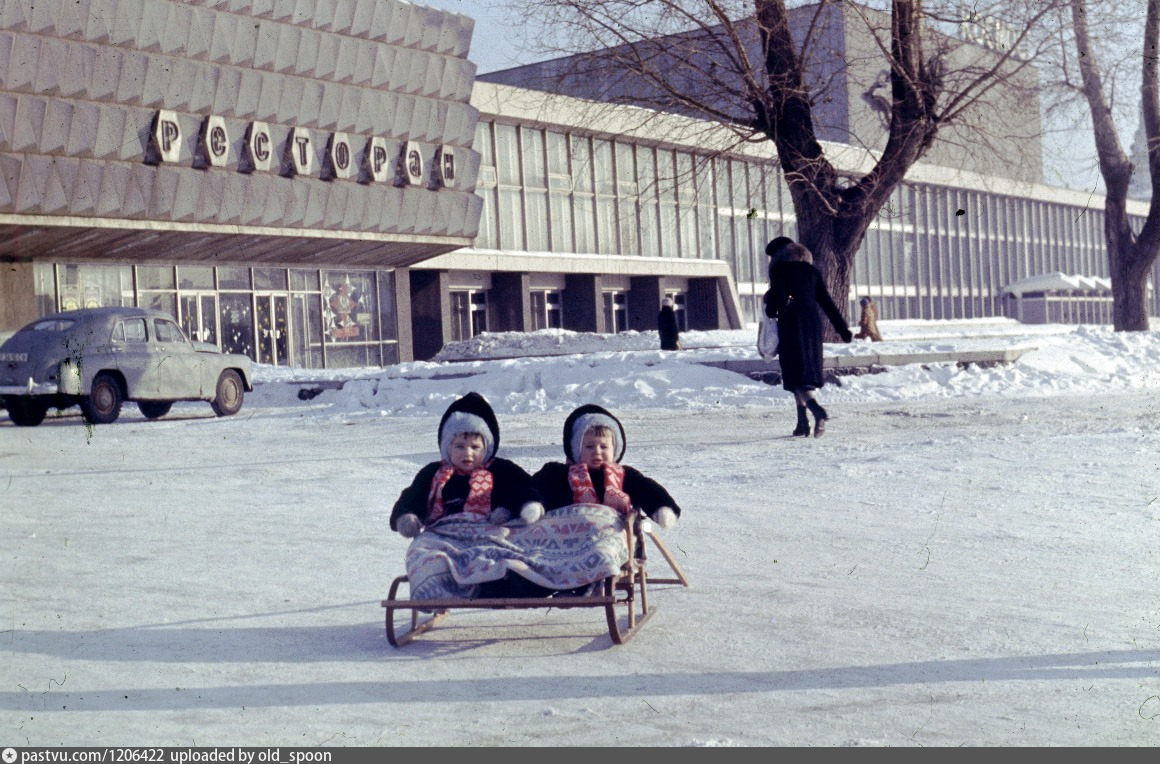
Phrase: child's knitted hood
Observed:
(583, 419)
(471, 413)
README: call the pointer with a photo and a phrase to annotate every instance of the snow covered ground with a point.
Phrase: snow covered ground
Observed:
(967, 557)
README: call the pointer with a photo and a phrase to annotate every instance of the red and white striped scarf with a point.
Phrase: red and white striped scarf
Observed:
(583, 492)
(480, 484)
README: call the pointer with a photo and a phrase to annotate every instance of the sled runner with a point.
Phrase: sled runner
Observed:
(623, 596)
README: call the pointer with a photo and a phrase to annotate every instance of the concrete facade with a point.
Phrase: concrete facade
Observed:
(847, 75)
(322, 134)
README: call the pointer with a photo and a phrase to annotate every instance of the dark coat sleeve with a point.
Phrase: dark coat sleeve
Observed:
(551, 481)
(647, 493)
(513, 486)
(413, 499)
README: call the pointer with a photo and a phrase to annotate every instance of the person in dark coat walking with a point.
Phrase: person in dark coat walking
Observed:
(796, 298)
(667, 326)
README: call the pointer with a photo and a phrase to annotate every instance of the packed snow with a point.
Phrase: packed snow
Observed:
(967, 557)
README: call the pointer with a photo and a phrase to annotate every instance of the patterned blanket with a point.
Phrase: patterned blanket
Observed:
(570, 547)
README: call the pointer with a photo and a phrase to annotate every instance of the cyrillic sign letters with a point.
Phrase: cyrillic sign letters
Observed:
(341, 159)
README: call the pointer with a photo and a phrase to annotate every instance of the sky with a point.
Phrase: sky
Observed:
(966, 557)
(1069, 154)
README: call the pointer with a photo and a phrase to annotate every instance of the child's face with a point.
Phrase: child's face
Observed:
(467, 451)
(597, 449)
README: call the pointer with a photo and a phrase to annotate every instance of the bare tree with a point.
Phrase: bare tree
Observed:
(766, 73)
(1130, 255)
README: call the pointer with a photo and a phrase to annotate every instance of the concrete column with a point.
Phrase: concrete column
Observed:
(403, 314)
(17, 296)
(430, 313)
(510, 302)
(644, 302)
(583, 309)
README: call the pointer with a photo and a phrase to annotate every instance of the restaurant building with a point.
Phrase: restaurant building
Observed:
(326, 184)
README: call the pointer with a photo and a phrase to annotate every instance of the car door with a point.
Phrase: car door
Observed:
(132, 357)
(176, 366)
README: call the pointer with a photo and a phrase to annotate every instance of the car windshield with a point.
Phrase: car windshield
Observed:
(53, 325)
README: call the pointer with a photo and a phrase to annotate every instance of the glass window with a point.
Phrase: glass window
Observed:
(615, 311)
(535, 170)
(166, 302)
(546, 310)
(560, 212)
(510, 219)
(195, 277)
(507, 155)
(349, 306)
(558, 167)
(155, 277)
(582, 165)
(478, 313)
(460, 316)
(270, 278)
(130, 330)
(387, 318)
(95, 286)
(167, 331)
(483, 144)
(237, 323)
(304, 281)
(233, 277)
(602, 166)
(536, 220)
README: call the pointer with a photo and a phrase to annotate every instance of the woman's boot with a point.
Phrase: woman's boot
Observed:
(820, 417)
(803, 423)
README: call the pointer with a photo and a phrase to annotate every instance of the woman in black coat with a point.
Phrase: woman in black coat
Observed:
(796, 292)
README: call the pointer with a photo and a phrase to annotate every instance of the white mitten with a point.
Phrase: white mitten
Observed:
(665, 517)
(532, 511)
(409, 526)
(500, 516)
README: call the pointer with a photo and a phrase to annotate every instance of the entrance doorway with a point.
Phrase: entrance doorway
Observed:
(199, 316)
(273, 332)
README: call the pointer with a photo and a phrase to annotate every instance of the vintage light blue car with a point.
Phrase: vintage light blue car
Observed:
(98, 358)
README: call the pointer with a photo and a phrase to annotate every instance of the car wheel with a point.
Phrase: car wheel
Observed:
(154, 409)
(26, 412)
(103, 404)
(230, 393)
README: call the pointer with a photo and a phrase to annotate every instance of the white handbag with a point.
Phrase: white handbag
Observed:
(767, 338)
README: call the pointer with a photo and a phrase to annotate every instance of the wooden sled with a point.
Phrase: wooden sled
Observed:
(623, 597)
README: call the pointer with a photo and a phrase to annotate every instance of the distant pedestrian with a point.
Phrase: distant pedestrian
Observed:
(868, 323)
(667, 326)
(796, 292)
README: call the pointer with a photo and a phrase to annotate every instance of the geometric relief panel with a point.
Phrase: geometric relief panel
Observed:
(10, 168)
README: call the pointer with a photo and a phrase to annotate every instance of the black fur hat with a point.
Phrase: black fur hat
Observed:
(471, 413)
(773, 247)
(584, 418)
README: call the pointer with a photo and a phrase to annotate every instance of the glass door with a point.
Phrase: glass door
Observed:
(306, 330)
(273, 332)
(199, 316)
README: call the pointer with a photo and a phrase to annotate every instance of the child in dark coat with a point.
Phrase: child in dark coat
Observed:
(594, 444)
(469, 478)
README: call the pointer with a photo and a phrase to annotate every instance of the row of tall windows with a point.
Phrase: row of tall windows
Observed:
(933, 252)
(285, 317)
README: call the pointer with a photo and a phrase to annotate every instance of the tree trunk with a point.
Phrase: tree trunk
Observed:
(1130, 297)
(1130, 257)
